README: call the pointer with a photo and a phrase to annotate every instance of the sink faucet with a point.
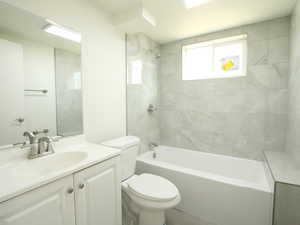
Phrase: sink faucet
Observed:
(32, 136)
(152, 146)
(39, 146)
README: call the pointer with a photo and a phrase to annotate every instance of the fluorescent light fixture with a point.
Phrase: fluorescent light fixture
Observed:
(61, 31)
(193, 3)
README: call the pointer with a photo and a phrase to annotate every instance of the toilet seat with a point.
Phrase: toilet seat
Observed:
(153, 188)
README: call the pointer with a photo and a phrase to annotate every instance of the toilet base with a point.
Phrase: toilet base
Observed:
(133, 214)
(152, 217)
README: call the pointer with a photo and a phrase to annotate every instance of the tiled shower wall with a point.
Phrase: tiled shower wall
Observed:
(235, 116)
(139, 122)
(293, 134)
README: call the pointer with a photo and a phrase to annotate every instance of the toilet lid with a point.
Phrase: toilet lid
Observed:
(153, 187)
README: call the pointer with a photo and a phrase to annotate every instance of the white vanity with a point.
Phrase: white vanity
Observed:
(79, 183)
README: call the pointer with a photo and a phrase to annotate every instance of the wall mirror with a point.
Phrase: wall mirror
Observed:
(40, 76)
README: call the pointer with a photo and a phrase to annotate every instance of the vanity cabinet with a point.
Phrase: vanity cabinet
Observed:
(52, 204)
(98, 195)
(89, 197)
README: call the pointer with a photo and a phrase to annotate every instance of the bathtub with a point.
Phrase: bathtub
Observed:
(215, 189)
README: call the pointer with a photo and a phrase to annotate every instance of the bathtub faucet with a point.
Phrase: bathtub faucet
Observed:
(152, 146)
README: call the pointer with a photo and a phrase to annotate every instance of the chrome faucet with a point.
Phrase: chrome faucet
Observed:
(152, 146)
(39, 146)
(32, 136)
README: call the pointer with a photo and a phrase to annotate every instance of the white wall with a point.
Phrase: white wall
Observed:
(40, 109)
(38, 67)
(103, 63)
(11, 92)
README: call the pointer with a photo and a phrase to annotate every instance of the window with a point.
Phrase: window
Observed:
(135, 72)
(220, 58)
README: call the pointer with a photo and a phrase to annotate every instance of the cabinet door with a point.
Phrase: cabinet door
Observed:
(52, 204)
(98, 194)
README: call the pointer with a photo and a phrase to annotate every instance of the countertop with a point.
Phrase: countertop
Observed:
(19, 174)
(283, 167)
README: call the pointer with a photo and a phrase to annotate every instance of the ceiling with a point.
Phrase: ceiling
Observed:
(174, 21)
(21, 24)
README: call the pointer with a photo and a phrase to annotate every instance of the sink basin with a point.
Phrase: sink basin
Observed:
(21, 172)
(57, 161)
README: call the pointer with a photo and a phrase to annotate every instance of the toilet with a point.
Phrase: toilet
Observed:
(148, 195)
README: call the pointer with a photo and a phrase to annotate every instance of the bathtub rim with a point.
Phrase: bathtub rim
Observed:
(147, 159)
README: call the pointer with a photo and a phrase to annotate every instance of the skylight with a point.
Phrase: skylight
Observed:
(193, 3)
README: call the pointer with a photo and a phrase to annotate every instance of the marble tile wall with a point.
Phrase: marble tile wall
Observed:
(234, 116)
(139, 122)
(293, 131)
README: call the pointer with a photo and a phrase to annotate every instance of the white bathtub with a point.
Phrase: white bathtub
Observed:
(215, 189)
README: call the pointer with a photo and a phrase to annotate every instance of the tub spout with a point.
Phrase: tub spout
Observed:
(152, 147)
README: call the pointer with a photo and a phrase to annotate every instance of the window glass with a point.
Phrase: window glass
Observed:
(219, 58)
(198, 62)
(228, 59)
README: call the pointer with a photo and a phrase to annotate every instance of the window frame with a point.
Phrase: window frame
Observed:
(214, 44)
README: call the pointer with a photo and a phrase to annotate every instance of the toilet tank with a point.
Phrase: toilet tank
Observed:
(129, 147)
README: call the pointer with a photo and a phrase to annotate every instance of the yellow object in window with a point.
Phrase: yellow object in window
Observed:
(228, 65)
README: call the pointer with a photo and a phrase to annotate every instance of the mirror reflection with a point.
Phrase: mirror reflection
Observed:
(40, 76)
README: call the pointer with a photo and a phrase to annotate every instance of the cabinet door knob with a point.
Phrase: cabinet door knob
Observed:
(81, 186)
(70, 190)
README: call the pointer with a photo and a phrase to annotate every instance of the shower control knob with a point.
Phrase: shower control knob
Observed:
(151, 108)
(81, 186)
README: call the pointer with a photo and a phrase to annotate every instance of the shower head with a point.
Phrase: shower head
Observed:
(155, 53)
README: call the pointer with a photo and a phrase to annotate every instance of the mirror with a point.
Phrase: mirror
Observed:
(40, 76)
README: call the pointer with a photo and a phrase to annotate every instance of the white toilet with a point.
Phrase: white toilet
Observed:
(150, 195)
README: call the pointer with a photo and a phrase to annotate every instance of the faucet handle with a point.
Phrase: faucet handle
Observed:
(28, 134)
(44, 131)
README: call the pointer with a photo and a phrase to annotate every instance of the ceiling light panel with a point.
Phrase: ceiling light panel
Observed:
(63, 32)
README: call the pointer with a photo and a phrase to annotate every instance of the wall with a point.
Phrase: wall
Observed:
(103, 63)
(139, 96)
(40, 109)
(68, 93)
(11, 92)
(293, 132)
(38, 64)
(234, 116)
